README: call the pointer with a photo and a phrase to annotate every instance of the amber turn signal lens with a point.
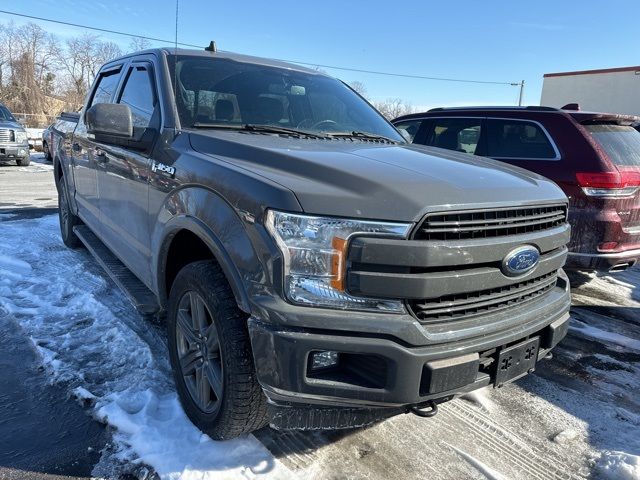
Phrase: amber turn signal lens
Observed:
(337, 263)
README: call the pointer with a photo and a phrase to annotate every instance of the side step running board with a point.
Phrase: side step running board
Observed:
(140, 296)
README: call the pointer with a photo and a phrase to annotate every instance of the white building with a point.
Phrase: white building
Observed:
(612, 90)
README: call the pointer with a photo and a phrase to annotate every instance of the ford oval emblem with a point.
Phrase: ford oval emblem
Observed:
(520, 260)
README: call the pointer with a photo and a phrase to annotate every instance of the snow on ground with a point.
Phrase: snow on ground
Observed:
(577, 417)
(109, 356)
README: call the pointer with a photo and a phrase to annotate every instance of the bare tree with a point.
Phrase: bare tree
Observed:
(136, 44)
(393, 107)
(390, 108)
(27, 67)
(359, 88)
(81, 60)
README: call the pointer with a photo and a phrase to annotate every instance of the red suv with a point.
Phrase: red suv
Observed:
(594, 157)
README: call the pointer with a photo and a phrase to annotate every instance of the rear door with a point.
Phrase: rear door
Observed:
(621, 144)
(123, 174)
(84, 162)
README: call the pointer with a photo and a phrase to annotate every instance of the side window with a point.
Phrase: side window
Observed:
(460, 134)
(138, 94)
(410, 126)
(518, 139)
(107, 84)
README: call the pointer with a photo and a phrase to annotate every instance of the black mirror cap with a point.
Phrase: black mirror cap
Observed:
(113, 119)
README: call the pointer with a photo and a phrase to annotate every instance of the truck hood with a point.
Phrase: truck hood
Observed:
(11, 125)
(358, 179)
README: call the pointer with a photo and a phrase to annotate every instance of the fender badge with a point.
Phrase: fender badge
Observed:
(162, 168)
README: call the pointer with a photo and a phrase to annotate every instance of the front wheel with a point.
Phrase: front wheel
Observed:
(24, 161)
(211, 354)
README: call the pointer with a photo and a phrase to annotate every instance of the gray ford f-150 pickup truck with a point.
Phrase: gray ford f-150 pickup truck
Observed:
(13, 139)
(314, 269)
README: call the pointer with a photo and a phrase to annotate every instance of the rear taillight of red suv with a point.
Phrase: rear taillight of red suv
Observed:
(614, 184)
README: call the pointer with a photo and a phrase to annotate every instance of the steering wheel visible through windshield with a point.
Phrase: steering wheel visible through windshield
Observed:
(221, 92)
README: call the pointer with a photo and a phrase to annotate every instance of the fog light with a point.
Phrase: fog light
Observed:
(607, 246)
(324, 359)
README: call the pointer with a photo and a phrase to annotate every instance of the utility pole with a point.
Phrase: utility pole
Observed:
(521, 92)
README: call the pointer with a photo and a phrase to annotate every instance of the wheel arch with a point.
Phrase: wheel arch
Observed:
(187, 228)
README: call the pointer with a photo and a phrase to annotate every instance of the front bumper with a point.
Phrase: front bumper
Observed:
(13, 151)
(385, 366)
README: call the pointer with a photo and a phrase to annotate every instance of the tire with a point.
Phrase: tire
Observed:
(47, 153)
(219, 349)
(66, 217)
(24, 162)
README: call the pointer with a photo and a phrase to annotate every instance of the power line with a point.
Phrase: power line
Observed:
(346, 69)
(402, 75)
(105, 30)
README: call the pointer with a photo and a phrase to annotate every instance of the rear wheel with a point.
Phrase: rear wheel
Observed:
(23, 162)
(67, 219)
(211, 354)
(47, 153)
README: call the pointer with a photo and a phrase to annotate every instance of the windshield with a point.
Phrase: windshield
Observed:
(621, 143)
(6, 114)
(219, 91)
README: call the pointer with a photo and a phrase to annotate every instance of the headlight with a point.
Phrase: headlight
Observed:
(21, 137)
(314, 251)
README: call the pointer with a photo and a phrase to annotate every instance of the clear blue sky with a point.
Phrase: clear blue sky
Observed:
(483, 40)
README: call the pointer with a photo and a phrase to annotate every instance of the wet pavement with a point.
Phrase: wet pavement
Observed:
(27, 187)
(43, 433)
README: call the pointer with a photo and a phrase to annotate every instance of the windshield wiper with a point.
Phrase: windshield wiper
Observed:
(365, 135)
(249, 127)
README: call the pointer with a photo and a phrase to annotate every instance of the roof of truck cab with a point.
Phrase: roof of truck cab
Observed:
(237, 57)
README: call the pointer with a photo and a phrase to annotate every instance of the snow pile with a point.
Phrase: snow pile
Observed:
(619, 466)
(92, 342)
(566, 436)
(162, 436)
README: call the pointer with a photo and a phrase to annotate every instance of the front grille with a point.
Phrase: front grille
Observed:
(471, 224)
(457, 306)
(6, 135)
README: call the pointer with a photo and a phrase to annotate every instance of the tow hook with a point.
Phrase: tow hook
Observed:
(427, 410)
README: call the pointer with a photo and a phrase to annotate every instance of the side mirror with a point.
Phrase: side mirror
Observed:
(110, 120)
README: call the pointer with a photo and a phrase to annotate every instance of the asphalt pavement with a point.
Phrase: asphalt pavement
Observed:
(44, 435)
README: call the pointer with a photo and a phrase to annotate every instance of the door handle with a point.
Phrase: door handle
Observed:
(101, 156)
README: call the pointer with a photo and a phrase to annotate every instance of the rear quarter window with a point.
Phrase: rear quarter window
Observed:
(621, 143)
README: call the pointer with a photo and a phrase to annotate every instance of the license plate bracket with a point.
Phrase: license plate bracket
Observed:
(516, 361)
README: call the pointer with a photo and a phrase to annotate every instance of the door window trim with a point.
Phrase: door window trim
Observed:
(148, 64)
(111, 70)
